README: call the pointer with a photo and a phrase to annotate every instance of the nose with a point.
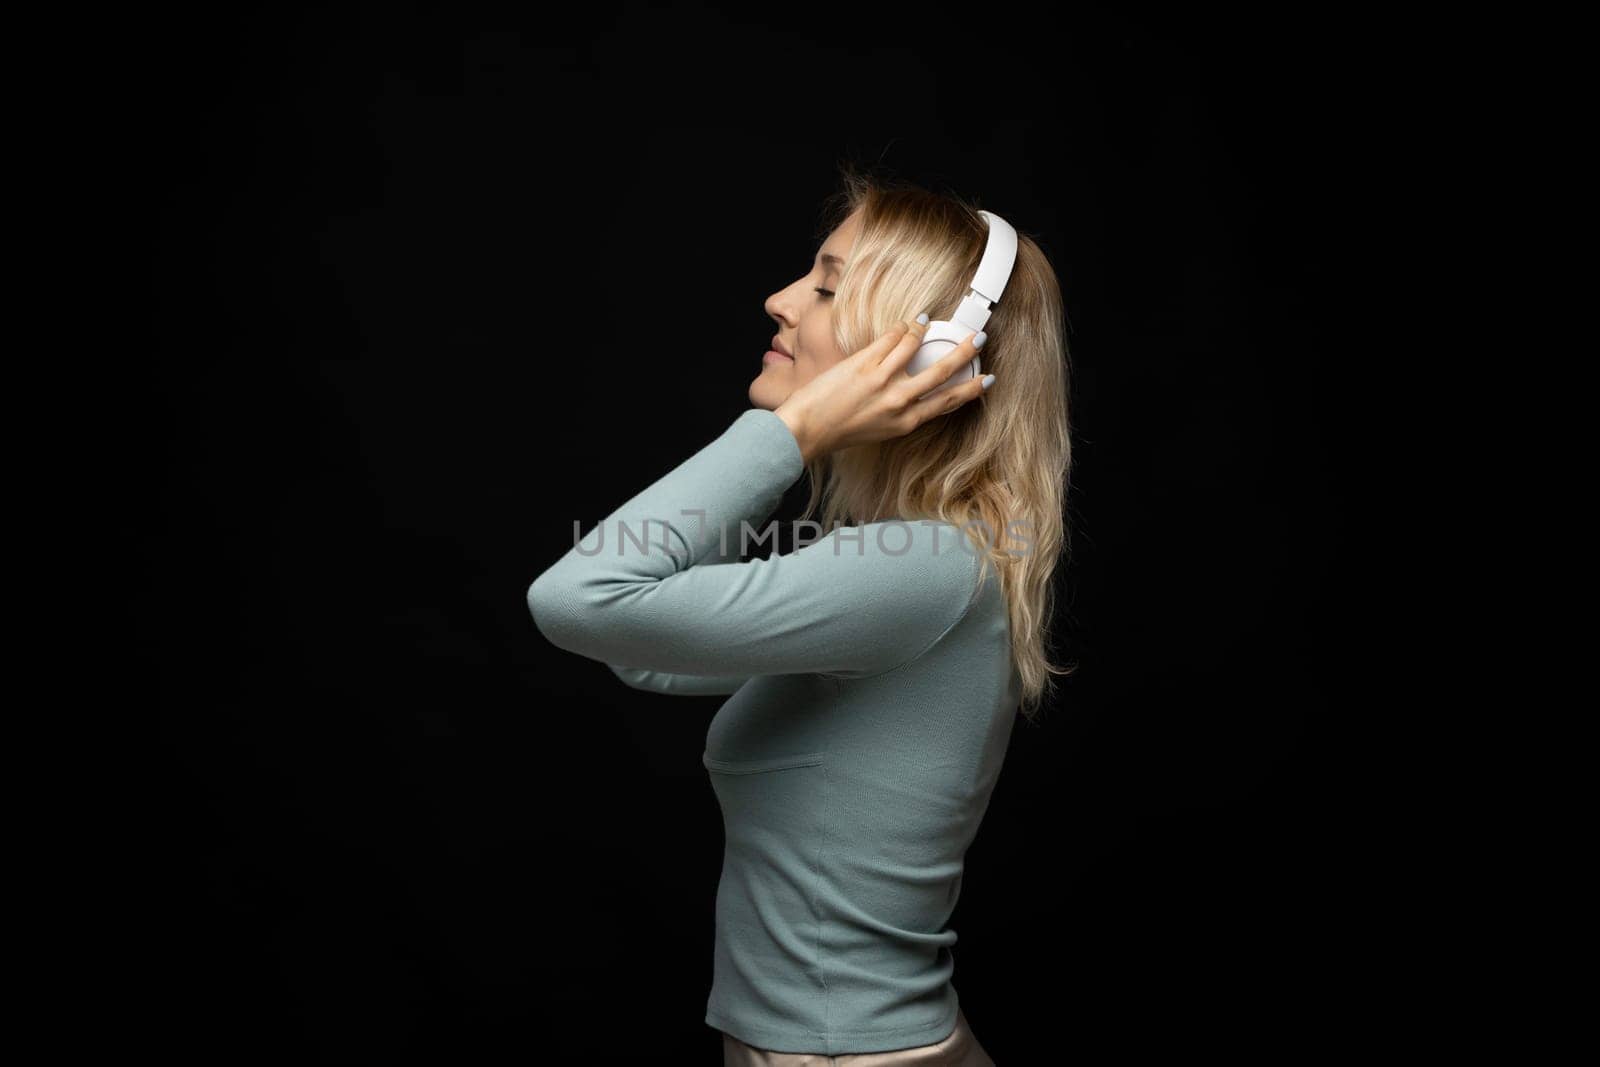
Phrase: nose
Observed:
(780, 306)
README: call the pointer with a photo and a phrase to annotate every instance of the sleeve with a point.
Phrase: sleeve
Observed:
(687, 684)
(684, 685)
(859, 601)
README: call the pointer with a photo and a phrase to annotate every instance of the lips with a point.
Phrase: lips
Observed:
(778, 346)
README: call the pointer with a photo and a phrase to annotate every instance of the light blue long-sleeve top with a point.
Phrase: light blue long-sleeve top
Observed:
(871, 702)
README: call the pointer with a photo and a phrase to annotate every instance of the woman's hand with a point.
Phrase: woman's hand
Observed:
(868, 396)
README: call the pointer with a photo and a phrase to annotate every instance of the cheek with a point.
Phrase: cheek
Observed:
(815, 362)
(820, 350)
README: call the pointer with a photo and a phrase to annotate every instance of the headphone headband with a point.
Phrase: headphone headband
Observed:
(994, 271)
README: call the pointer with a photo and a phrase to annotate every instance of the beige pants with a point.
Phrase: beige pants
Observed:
(960, 1049)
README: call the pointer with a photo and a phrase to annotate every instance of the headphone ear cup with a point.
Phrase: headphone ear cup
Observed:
(930, 353)
(937, 341)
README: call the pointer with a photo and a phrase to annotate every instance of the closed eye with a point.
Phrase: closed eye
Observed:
(824, 292)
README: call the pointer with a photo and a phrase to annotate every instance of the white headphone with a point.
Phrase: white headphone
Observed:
(941, 335)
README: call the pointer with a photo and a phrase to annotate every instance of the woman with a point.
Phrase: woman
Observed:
(873, 674)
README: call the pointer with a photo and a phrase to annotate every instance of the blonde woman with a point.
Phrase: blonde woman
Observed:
(873, 675)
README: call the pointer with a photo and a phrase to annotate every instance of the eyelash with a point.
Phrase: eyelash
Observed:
(820, 289)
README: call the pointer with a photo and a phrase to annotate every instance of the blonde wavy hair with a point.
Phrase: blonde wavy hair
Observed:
(995, 463)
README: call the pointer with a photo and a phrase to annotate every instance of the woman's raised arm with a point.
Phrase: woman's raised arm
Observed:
(859, 601)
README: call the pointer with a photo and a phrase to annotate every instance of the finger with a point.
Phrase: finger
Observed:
(905, 346)
(944, 401)
(872, 355)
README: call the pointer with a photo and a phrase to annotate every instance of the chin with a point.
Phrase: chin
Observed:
(765, 393)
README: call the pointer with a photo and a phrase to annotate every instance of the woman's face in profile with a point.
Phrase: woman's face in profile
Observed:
(805, 322)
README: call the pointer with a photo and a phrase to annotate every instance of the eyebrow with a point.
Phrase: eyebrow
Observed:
(829, 257)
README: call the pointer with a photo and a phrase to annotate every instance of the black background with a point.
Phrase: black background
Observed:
(426, 285)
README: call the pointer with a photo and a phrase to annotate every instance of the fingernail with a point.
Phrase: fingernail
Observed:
(988, 380)
(977, 342)
(922, 319)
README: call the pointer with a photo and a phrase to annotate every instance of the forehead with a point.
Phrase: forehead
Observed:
(844, 235)
(838, 243)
